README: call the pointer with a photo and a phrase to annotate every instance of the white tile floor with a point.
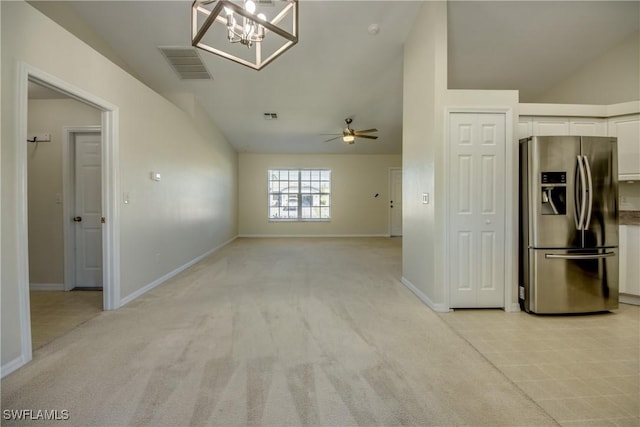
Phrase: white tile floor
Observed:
(582, 370)
(54, 313)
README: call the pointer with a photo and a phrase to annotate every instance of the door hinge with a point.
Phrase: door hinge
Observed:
(102, 220)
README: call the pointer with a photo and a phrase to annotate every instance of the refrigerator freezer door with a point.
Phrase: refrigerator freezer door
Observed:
(551, 160)
(572, 281)
(600, 156)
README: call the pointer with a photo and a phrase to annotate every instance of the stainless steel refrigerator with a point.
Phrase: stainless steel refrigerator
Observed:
(568, 224)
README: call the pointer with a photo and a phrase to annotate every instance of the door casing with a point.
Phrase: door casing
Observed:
(110, 190)
(511, 204)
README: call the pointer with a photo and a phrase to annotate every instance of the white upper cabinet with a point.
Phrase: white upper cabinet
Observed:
(546, 126)
(550, 126)
(588, 126)
(627, 130)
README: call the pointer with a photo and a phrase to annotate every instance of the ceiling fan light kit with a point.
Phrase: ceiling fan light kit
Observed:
(349, 135)
(267, 28)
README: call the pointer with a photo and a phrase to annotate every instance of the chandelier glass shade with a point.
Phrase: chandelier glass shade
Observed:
(250, 32)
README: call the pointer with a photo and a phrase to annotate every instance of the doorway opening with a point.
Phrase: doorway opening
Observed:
(63, 180)
(47, 195)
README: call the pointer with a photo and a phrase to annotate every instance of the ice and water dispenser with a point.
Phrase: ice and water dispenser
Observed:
(553, 186)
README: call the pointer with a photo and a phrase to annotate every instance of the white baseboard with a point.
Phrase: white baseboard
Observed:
(439, 308)
(278, 236)
(12, 366)
(46, 286)
(629, 299)
(159, 281)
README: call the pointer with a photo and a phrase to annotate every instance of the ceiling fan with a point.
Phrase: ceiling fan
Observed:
(348, 135)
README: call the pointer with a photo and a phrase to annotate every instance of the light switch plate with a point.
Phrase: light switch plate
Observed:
(425, 198)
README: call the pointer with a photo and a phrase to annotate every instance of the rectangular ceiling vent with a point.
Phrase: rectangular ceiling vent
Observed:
(271, 116)
(186, 62)
(265, 2)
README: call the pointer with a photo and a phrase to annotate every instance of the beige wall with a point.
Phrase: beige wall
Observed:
(609, 79)
(426, 100)
(44, 183)
(355, 179)
(168, 223)
(425, 83)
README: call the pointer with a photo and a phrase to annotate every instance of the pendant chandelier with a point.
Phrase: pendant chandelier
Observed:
(250, 32)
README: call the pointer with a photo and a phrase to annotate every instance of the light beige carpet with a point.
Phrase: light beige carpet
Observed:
(273, 332)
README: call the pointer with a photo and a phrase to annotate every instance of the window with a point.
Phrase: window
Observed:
(300, 194)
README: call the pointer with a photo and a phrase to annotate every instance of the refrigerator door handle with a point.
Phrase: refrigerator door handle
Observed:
(581, 198)
(585, 160)
(580, 256)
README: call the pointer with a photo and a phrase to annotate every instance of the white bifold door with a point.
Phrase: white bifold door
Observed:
(477, 144)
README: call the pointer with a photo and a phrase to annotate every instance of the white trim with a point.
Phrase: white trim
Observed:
(46, 286)
(278, 236)
(439, 308)
(22, 224)
(511, 201)
(68, 197)
(12, 366)
(111, 240)
(126, 300)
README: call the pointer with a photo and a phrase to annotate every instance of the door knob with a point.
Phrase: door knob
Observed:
(77, 219)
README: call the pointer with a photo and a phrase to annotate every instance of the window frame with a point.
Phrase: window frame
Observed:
(300, 195)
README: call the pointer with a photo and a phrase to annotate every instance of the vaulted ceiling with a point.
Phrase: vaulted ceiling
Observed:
(339, 70)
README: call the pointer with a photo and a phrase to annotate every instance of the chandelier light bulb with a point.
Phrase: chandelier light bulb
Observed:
(261, 16)
(228, 11)
(250, 6)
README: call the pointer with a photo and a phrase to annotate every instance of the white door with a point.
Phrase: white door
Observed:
(477, 210)
(395, 201)
(88, 210)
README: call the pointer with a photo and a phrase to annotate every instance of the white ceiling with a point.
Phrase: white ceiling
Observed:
(339, 70)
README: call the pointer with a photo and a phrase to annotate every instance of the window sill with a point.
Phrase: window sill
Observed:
(299, 219)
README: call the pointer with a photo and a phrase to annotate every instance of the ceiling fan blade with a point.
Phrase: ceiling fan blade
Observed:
(366, 131)
(366, 136)
(333, 138)
(329, 134)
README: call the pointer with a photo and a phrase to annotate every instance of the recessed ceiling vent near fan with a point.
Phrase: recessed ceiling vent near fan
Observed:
(186, 62)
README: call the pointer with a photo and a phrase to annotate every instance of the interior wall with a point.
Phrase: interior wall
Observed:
(355, 180)
(166, 224)
(425, 84)
(629, 196)
(609, 79)
(44, 167)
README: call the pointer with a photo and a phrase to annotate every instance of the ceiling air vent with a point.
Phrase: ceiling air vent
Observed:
(186, 62)
(271, 116)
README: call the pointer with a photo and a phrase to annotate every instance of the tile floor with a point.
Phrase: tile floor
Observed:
(582, 370)
(53, 313)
